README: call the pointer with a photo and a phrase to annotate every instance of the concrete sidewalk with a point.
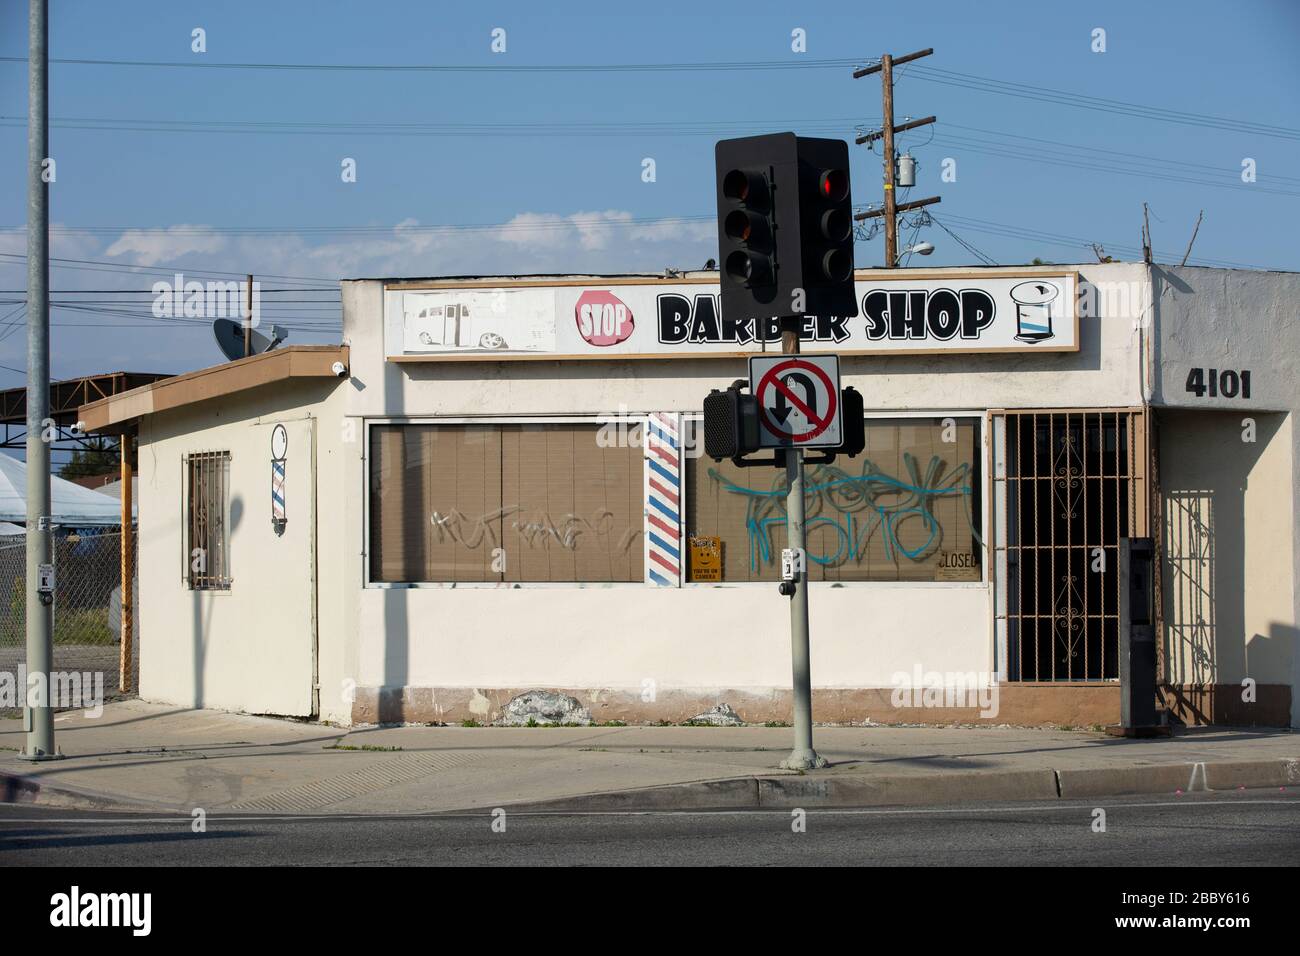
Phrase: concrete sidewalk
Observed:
(151, 757)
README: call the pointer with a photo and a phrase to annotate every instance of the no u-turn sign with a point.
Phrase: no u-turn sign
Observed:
(798, 400)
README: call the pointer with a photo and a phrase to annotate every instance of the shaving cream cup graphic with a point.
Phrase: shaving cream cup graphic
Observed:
(603, 318)
(1033, 301)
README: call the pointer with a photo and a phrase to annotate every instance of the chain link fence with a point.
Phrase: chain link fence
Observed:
(87, 604)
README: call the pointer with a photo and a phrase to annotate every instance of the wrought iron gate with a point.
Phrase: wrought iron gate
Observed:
(1067, 486)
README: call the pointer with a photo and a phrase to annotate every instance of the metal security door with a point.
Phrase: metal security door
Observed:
(1067, 486)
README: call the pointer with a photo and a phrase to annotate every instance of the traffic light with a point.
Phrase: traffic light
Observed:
(785, 227)
(853, 420)
(826, 226)
(730, 423)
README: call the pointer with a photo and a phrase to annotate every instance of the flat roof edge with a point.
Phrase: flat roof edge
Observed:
(117, 412)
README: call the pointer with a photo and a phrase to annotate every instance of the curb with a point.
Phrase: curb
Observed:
(863, 790)
(21, 789)
(762, 792)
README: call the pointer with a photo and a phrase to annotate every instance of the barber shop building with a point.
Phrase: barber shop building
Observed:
(496, 485)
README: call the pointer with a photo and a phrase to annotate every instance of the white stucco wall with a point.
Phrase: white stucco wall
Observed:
(1241, 322)
(249, 648)
(696, 636)
(242, 650)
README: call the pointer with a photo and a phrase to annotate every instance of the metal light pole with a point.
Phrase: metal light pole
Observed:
(39, 719)
(803, 757)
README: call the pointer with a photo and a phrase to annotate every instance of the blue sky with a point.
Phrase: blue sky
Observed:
(187, 195)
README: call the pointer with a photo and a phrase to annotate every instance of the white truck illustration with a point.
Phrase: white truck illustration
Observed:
(489, 321)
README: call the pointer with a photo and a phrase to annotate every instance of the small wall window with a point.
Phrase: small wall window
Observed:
(207, 521)
(907, 509)
(546, 502)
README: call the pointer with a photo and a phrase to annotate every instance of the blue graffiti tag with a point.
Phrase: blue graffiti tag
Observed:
(852, 506)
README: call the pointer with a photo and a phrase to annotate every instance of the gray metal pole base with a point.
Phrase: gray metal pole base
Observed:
(803, 756)
(24, 755)
(803, 760)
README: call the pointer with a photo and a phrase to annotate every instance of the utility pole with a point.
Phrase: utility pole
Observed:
(38, 714)
(1190, 242)
(891, 208)
(803, 757)
(1146, 235)
(126, 655)
(248, 318)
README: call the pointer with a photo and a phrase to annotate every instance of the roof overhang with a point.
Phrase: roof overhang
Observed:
(118, 413)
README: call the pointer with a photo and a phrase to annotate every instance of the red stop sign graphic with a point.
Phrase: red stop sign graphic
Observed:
(603, 318)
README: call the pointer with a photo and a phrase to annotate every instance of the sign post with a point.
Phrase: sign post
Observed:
(799, 407)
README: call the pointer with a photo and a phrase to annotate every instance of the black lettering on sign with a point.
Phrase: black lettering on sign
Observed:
(832, 328)
(674, 318)
(940, 314)
(705, 326)
(1230, 383)
(737, 330)
(943, 313)
(875, 307)
(977, 312)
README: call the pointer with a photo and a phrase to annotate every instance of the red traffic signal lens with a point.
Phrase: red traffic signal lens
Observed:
(833, 184)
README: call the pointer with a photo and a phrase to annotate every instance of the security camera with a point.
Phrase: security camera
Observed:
(339, 369)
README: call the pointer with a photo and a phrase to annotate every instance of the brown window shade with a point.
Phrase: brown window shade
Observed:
(907, 509)
(561, 507)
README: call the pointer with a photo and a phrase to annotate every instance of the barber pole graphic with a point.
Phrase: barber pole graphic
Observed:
(279, 453)
(663, 489)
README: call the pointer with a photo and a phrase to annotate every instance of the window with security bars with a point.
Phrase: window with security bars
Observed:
(1068, 485)
(207, 521)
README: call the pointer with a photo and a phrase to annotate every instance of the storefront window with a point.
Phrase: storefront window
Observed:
(907, 509)
(503, 503)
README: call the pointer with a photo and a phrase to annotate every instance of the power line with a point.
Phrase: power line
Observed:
(584, 128)
(1101, 104)
(611, 128)
(987, 260)
(705, 67)
(978, 146)
(158, 270)
(931, 74)
(1036, 235)
(560, 222)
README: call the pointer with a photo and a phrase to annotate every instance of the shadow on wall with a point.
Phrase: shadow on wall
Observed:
(1205, 468)
(1234, 703)
(201, 627)
(391, 704)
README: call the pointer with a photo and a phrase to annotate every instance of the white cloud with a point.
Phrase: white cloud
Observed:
(149, 247)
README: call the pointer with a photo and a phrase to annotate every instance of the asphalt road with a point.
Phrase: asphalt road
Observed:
(1243, 828)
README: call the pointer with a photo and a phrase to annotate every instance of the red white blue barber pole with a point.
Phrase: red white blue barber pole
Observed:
(663, 458)
(279, 453)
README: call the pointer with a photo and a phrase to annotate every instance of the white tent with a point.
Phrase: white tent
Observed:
(73, 506)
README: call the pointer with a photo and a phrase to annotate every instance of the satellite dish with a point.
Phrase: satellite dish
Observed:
(230, 338)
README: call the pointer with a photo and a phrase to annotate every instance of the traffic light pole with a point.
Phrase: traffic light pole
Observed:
(803, 757)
